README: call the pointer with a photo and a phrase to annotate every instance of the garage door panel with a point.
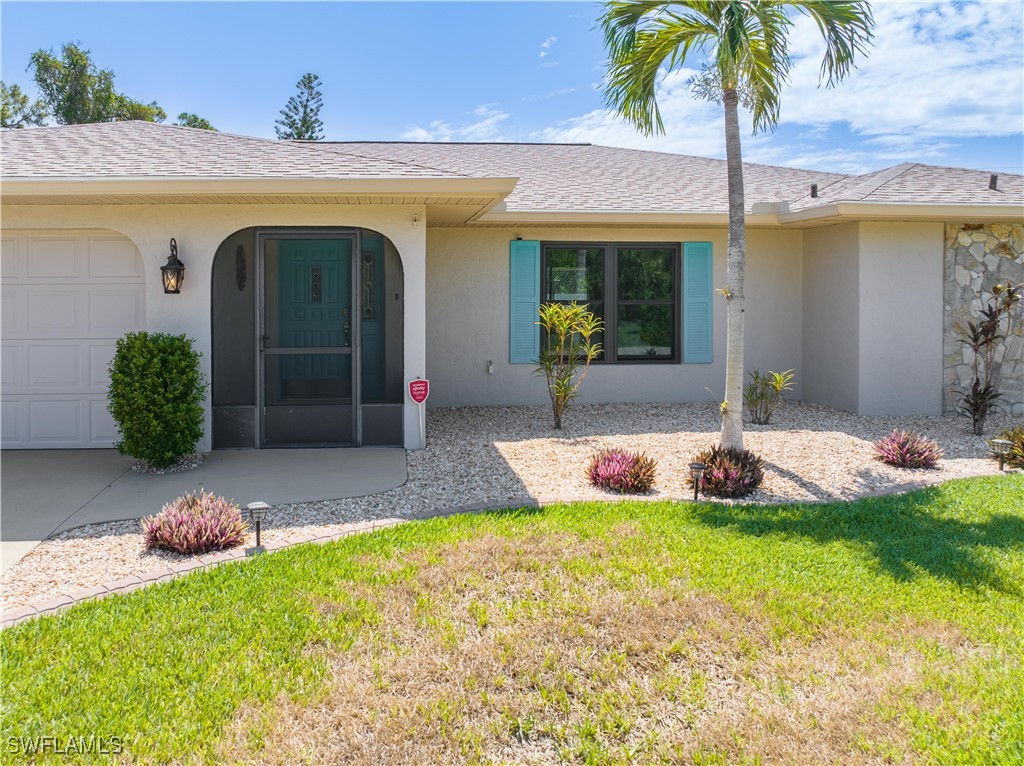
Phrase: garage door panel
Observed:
(100, 356)
(66, 299)
(12, 258)
(56, 367)
(113, 259)
(13, 367)
(58, 258)
(103, 429)
(11, 423)
(12, 311)
(114, 312)
(54, 312)
(55, 420)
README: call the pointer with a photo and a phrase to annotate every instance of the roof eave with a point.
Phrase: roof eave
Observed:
(618, 217)
(498, 188)
(904, 211)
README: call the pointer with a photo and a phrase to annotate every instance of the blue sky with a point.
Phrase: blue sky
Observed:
(944, 83)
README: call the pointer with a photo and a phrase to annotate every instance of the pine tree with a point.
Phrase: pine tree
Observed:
(301, 115)
(17, 110)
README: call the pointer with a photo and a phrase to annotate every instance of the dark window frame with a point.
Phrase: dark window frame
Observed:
(610, 298)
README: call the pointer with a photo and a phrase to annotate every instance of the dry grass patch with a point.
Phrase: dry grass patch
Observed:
(551, 648)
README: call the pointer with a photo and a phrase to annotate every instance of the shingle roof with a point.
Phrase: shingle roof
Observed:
(552, 177)
(146, 150)
(583, 177)
(916, 183)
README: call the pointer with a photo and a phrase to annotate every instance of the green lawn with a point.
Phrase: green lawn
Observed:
(883, 631)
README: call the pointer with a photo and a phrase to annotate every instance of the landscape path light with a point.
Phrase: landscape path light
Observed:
(696, 473)
(1002, 448)
(257, 514)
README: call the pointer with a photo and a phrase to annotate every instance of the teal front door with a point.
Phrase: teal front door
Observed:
(308, 341)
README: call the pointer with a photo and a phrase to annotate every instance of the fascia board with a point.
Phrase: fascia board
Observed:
(905, 211)
(590, 217)
(486, 187)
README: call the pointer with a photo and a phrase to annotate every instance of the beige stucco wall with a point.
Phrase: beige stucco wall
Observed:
(468, 306)
(872, 321)
(831, 346)
(200, 229)
(900, 319)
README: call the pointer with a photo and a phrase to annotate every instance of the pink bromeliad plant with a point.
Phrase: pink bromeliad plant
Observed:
(196, 524)
(907, 449)
(621, 471)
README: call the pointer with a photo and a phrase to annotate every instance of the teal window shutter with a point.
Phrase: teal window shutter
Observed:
(524, 301)
(697, 293)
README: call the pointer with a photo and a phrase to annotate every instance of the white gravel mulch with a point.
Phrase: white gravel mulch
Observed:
(499, 454)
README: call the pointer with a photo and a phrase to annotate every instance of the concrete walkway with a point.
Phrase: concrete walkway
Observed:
(43, 492)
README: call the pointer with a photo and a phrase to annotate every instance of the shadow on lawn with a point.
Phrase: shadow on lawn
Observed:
(904, 534)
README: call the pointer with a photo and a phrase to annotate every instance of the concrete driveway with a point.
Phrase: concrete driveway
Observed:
(43, 492)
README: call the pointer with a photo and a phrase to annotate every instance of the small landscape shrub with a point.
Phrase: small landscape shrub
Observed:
(729, 472)
(195, 524)
(1016, 436)
(906, 449)
(567, 341)
(156, 396)
(764, 392)
(620, 471)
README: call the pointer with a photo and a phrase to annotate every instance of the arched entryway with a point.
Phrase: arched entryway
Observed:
(307, 339)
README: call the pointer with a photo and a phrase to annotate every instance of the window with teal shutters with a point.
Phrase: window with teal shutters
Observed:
(524, 301)
(697, 294)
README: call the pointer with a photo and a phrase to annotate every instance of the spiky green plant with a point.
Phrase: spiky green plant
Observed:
(567, 341)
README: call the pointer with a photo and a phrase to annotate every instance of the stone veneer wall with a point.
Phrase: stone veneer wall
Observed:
(977, 256)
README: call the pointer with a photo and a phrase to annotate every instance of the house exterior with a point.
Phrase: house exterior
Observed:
(320, 278)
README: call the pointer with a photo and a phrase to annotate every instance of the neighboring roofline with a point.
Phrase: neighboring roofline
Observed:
(156, 186)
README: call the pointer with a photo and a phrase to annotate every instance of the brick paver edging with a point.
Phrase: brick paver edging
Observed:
(134, 582)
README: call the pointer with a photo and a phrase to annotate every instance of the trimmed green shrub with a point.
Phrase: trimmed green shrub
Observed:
(156, 396)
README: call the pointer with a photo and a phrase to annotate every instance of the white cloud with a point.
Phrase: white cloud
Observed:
(485, 126)
(936, 69)
(937, 72)
(546, 46)
(692, 126)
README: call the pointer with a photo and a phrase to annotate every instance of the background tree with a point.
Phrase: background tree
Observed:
(76, 91)
(189, 120)
(17, 110)
(301, 115)
(745, 44)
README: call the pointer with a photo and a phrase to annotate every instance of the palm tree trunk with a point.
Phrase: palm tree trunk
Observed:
(736, 260)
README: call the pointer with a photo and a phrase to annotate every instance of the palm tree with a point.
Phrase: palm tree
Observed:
(746, 48)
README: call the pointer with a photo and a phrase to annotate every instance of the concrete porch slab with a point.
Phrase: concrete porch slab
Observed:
(49, 491)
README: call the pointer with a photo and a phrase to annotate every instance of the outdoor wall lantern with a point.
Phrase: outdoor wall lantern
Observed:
(1002, 448)
(258, 514)
(696, 473)
(173, 272)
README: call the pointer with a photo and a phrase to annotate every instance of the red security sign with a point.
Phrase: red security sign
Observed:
(419, 390)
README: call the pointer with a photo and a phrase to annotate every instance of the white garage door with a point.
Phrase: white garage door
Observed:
(66, 298)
